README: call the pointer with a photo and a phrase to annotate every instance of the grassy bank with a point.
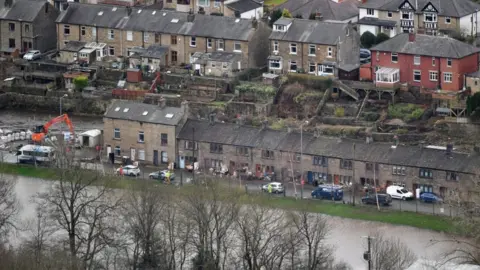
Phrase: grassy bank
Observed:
(423, 221)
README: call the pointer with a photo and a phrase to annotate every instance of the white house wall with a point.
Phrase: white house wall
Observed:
(254, 13)
(467, 22)
(370, 28)
(362, 12)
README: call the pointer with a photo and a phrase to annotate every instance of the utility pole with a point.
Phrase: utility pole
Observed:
(353, 175)
(367, 255)
(301, 161)
(193, 169)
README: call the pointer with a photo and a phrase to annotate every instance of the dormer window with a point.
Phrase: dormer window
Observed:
(280, 28)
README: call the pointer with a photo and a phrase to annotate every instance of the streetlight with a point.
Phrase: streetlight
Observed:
(64, 96)
(301, 158)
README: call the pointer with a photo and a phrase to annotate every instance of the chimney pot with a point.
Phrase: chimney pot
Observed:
(411, 37)
(318, 16)
(190, 17)
(162, 102)
(129, 10)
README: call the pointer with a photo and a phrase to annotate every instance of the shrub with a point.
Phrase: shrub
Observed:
(401, 131)
(367, 39)
(286, 13)
(406, 112)
(300, 98)
(276, 14)
(315, 82)
(278, 125)
(416, 114)
(80, 82)
(381, 37)
(371, 116)
(260, 90)
(339, 112)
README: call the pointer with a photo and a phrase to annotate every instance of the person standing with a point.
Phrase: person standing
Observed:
(167, 177)
(270, 188)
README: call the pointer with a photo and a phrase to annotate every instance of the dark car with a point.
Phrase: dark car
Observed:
(383, 199)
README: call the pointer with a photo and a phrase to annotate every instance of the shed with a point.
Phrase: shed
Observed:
(87, 55)
(90, 138)
(217, 63)
(69, 53)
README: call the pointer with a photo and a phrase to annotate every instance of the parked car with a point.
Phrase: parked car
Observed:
(276, 187)
(430, 197)
(32, 55)
(160, 175)
(328, 192)
(129, 170)
(398, 192)
(365, 55)
(383, 199)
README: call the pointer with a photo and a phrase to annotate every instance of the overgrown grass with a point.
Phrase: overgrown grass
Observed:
(423, 221)
(274, 2)
(406, 112)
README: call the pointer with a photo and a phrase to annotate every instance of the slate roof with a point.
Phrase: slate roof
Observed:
(450, 8)
(160, 21)
(244, 5)
(311, 31)
(435, 46)
(155, 51)
(329, 9)
(74, 46)
(376, 21)
(136, 110)
(409, 156)
(24, 10)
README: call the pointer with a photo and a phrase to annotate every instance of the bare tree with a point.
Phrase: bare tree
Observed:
(390, 253)
(9, 206)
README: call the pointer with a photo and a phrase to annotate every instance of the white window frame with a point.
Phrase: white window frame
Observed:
(394, 55)
(146, 36)
(138, 137)
(117, 150)
(433, 75)
(129, 36)
(370, 11)
(275, 61)
(419, 73)
(448, 20)
(322, 68)
(415, 58)
(222, 47)
(434, 17)
(65, 27)
(293, 45)
(111, 34)
(410, 15)
(115, 131)
(193, 41)
(329, 52)
(235, 46)
(276, 46)
(109, 48)
(290, 63)
(449, 62)
(310, 47)
(449, 75)
(141, 154)
(310, 64)
(209, 43)
(433, 61)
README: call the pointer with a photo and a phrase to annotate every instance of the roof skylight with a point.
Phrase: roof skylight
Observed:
(139, 11)
(126, 110)
(174, 20)
(169, 115)
(100, 13)
(117, 109)
(114, 9)
(145, 113)
(153, 13)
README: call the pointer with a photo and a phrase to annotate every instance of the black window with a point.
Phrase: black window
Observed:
(189, 145)
(83, 30)
(216, 148)
(11, 27)
(452, 176)
(346, 164)
(116, 133)
(66, 29)
(320, 161)
(11, 43)
(164, 139)
(426, 173)
(141, 137)
(242, 151)
(398, 170)
(267, 154)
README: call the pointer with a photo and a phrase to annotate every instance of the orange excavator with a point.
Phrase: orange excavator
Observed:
(41, 131)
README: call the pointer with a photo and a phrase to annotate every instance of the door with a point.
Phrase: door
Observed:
(182, 162)
(239, 65)
(155, 157)
(258, 170)
(336, 180)
(310, 177)
(132, 154)
(109, 150)
(164, 157)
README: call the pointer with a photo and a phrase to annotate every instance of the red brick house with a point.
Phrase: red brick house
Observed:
(431, 62)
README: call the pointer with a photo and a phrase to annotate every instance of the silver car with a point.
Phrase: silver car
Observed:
(276, 187)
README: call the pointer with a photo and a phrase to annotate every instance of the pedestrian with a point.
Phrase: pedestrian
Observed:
(167, 177)
(121, 171)
(270, 188)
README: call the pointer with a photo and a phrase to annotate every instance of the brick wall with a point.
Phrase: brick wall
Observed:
(302, 57)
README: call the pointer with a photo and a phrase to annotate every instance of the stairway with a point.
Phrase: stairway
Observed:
(361, 107)
(346, 89)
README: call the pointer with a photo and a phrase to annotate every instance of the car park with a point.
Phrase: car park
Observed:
(328, 193)
(129, 170)
(430, 197)
(276, 187)
(398, 192)
(160, 175)
(32, 55)
(383, 199)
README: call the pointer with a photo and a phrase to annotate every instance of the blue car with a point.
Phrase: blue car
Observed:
(429, 197)
(327, 192)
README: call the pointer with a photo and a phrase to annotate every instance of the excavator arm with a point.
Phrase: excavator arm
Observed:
(42, 131)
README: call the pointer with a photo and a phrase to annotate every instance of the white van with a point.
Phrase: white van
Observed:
(35, 153)
(398, 192)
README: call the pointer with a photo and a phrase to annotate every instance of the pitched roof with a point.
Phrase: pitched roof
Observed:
(244, 5)
(74, 46)
(409, 156)
(435, 46)
(311, 31)
(24, 10)
(147, 113)
(450, 8)
(376, 21)
(160, 21)
(330, 10)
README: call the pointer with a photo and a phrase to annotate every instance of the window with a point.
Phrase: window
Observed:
(118, 151)
(174, 56)
(164, 139)
(425, 173)
(237, 46)
(396, 170)
(275, 46)
(217, 3)
(111, 51)
(293, 66)
(416, 60)
(209, 43)
(173, 40)
(346, 164)
(242, 151)
(389, 14)
(267, 154)
(27, 28)
(220, 45)
(141, 154)
(224, 65)
(452, 176)
(448, 20)
(129, 35)
(312, 49)
(320, 161)
(66, 29)
(449, 62)
(280, 28)
(430, 17)
(407, 15)
(157, 38)
(370, 11)
(447, 77)
(189, 145)
(275, 64)
(377, 55)
(204, 3)
(325, 69)
(11, 43)
(293, 48)
(433, 76)
(141, 137)
(216, 148)
(417, 75)
(395, 57)
(83, 30)
(116, 133)
(433, 61)
(312, 67)
(370, 166)
(213, 64)
(146, 37)
(329, 52)
(193, 42)
(111, 34)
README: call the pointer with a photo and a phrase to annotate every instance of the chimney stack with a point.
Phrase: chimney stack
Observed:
(129, 10)
(162, 102)
(254, 23)
(449, 148)
(237, 14)
(264, 124)
(185, 109)
(8, 3)
(190, 16)
(201, 10)
(318, 16)
(411, 37)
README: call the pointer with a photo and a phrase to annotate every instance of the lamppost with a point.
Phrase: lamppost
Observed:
(301, 158)
(61, 98)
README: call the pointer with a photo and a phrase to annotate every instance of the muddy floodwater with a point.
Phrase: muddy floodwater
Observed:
(346, 235)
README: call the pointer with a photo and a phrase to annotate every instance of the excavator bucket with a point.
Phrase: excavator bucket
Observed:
(38, 137)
